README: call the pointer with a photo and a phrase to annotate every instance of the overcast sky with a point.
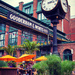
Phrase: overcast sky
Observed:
(16, 3)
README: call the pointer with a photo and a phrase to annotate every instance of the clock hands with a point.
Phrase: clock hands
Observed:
(65, 4)
(51, 2)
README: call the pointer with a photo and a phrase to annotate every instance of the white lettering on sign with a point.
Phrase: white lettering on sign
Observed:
(27, 23)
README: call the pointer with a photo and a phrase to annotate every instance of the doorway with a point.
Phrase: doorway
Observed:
(67, 55)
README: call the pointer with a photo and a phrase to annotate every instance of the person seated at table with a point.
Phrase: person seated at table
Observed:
(21, 71)
(28, 70)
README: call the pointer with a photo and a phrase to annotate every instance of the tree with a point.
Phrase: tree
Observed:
(30, 47)
(9, 49)
(42, 68)
(54, 64)
(67, 67)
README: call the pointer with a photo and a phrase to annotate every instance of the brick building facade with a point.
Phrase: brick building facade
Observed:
(65, 29)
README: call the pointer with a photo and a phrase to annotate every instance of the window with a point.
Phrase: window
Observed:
(2, 39)
(12, 36)
(41, 16)
(26, 35)
(27, 10)
(67, 55)
(2, 35)
(39, 39)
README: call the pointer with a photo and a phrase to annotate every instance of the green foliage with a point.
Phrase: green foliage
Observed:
(42, 67)
(9, 49)
(30, 47)
(54, 64)
(67, 67)
(3, 64)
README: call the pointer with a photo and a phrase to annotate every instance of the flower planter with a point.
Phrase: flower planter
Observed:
(8, 71)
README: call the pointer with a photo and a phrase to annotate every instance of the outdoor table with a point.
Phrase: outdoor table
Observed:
(8, 71)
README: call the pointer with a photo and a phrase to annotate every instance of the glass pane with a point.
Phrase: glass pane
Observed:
(39, 16)
(0, 43)
(13, 40)
(43, 17)
(28, 10)
(1, 36)
(13, 36)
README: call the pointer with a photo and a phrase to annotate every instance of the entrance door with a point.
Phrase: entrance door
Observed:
(67, 55)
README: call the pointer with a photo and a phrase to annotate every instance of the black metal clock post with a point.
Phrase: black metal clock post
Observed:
(55, 22)
(54, 10)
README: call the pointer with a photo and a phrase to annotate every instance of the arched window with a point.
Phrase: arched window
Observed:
(67, 55)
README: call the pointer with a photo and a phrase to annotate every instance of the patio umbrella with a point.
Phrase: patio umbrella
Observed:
(8, 58)
(20, 58)
(25, 57)
(29, 60)
(42, 58)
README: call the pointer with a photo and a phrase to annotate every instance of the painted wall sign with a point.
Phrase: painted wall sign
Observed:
(25, 22)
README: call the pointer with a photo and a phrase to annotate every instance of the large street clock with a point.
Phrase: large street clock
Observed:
(53, 8)
(48, 5)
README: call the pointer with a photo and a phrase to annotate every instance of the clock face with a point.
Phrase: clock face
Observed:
(48, 5)
(64, 4)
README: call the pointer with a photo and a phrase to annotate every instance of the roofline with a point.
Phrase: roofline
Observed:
(25, 4)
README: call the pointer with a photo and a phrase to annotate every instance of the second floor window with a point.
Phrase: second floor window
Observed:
(41, 16)
(27, 10)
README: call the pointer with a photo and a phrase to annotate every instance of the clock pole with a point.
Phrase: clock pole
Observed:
(55, 22)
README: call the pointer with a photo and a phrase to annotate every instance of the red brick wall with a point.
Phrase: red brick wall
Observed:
(34, 39)
(66, 27)
(66, 23)
(59, 26)
(72, 28)
(35, 8)
(18, 43)
(19, 32)
(21, 6)
(6, 35)
(62, 47)
(19, 37)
